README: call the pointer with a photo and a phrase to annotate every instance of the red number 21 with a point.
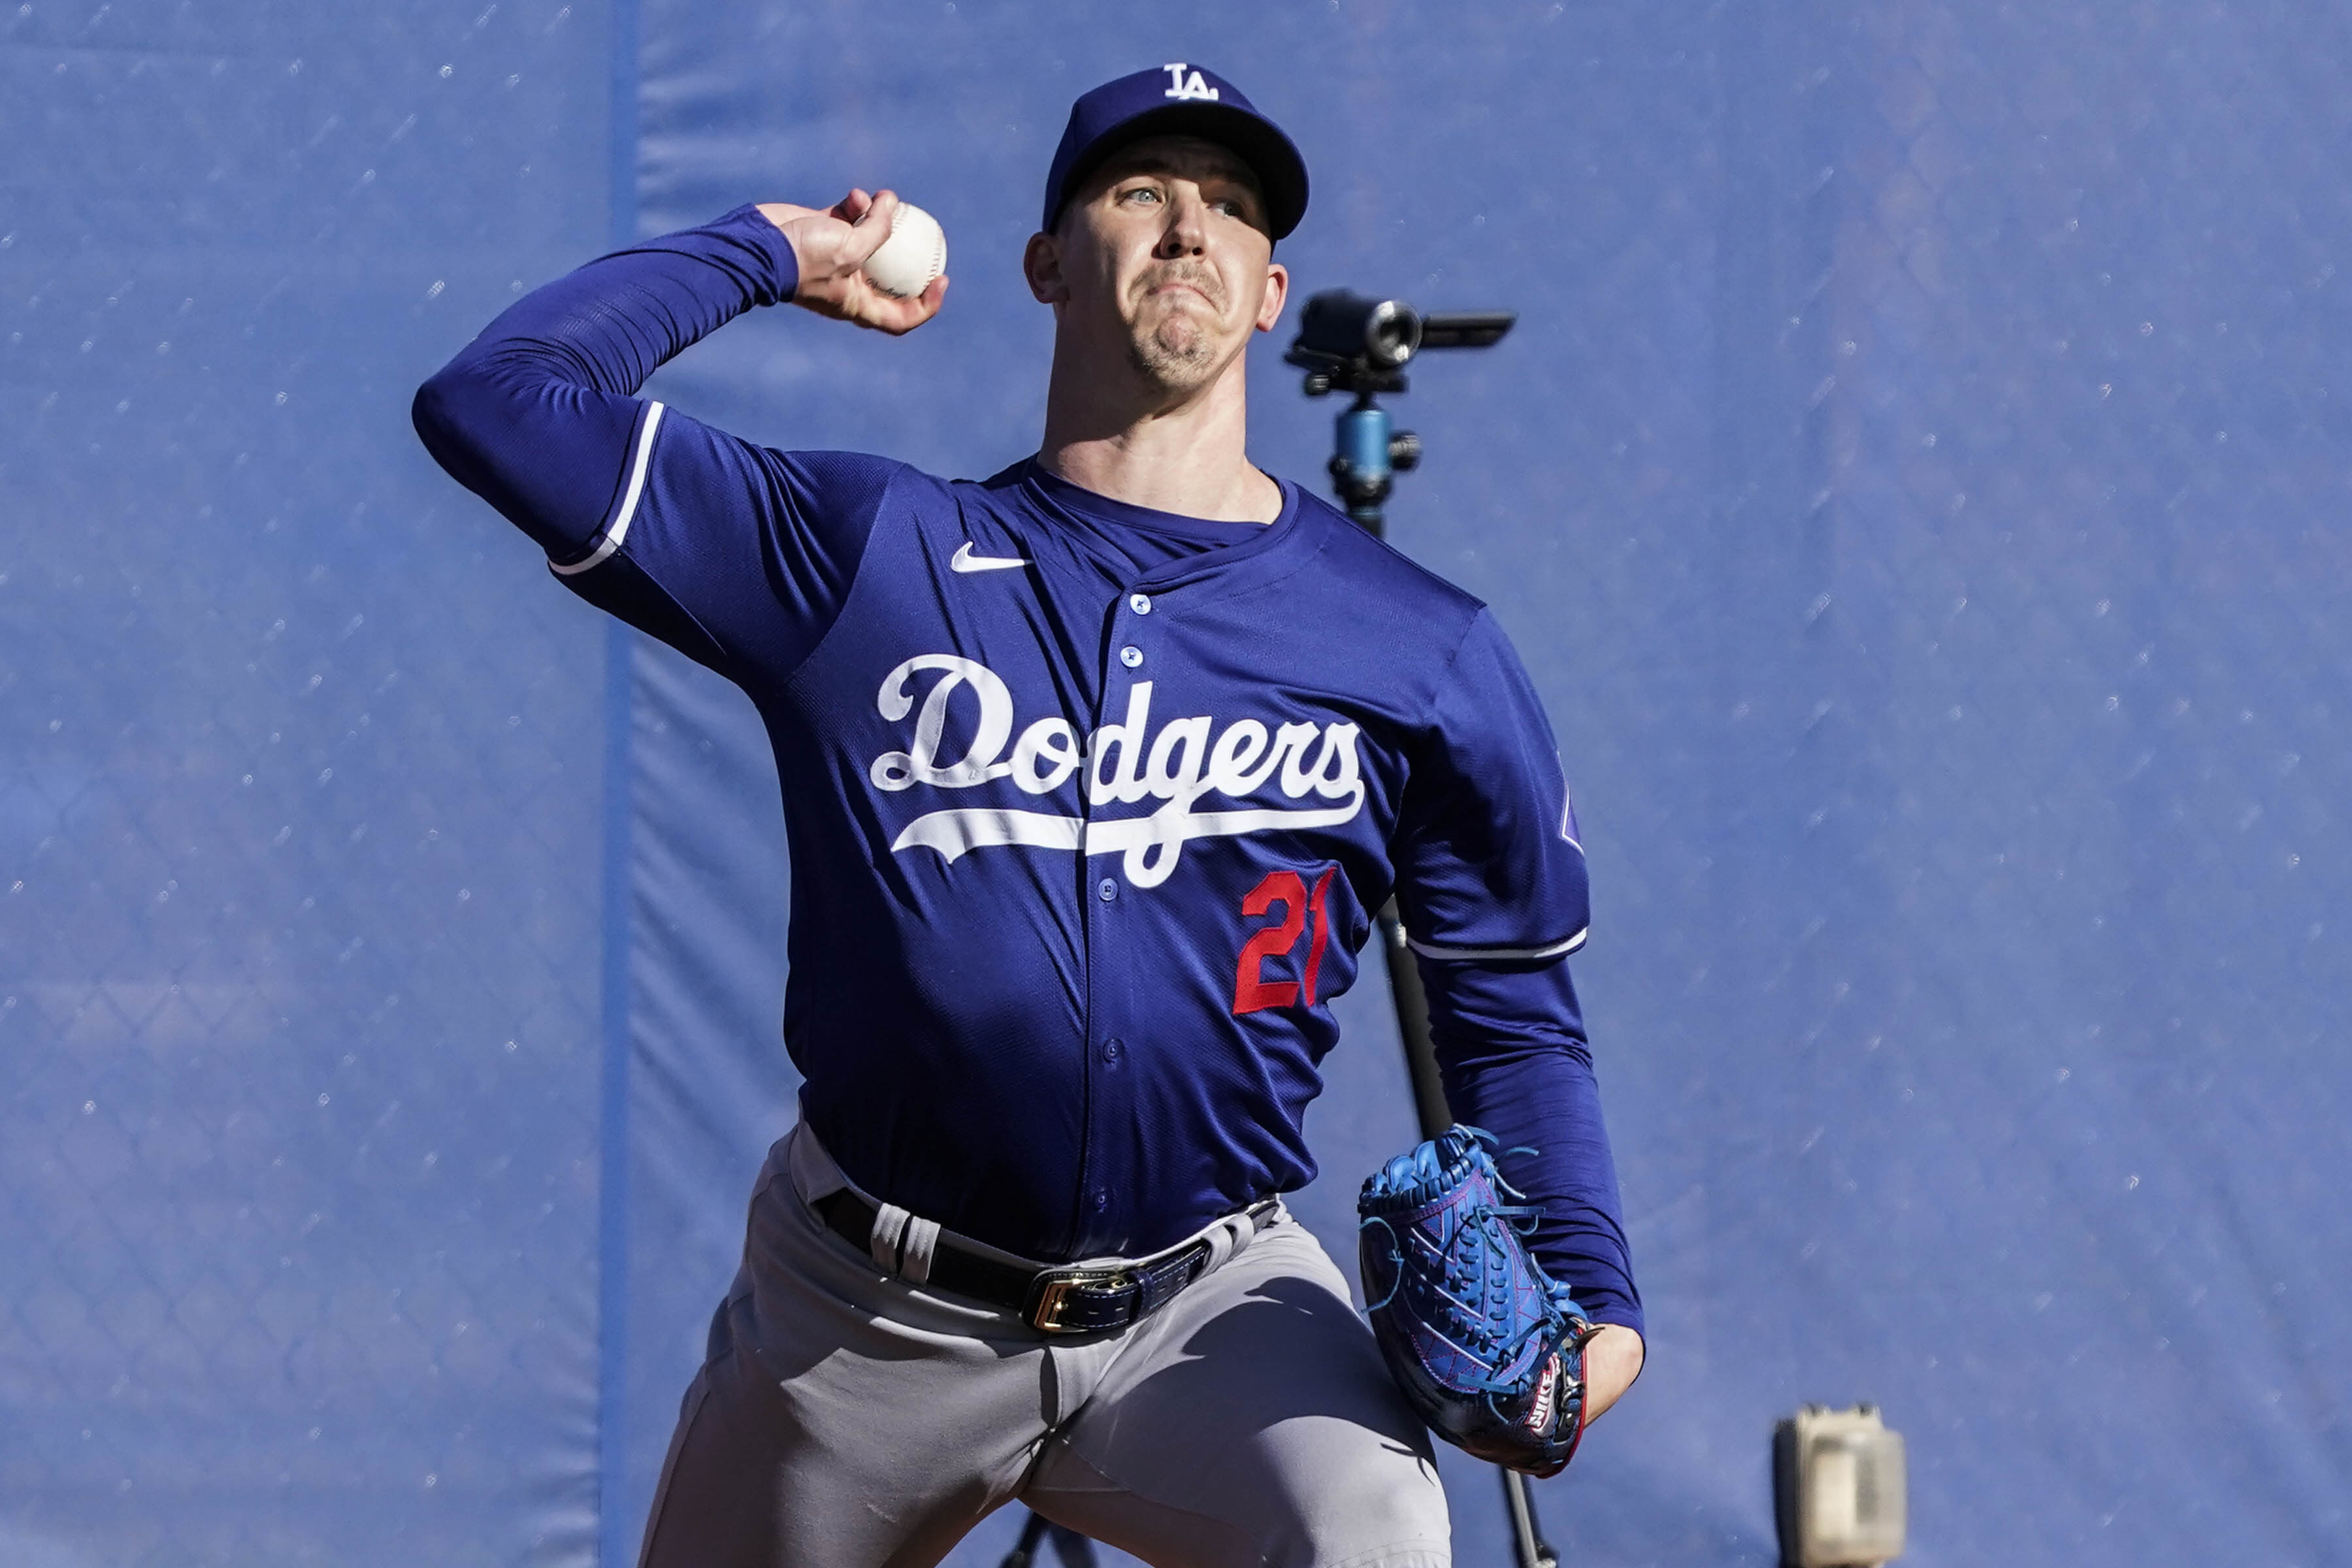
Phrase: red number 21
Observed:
(1252, 991)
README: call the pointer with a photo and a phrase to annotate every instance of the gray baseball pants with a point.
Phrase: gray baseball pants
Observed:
(846, 1418)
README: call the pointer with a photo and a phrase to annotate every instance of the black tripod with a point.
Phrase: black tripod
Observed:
(1349, 343)
(1070, 1549)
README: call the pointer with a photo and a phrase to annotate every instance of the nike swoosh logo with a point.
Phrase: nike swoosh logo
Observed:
(965, 561)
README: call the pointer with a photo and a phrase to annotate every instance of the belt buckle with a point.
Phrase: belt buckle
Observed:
(1081, 1300)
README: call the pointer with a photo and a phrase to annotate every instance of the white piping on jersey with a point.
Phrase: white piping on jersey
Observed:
(620, 529)
(1555, 949)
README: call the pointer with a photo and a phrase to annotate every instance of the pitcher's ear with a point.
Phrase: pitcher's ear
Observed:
(1278, 291)
(1041, 263)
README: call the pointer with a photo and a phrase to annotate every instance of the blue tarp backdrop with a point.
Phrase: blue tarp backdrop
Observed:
(1917, 483)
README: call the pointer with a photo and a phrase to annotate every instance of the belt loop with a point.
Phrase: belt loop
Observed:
(889, 1225)
(1223, 1242)
(921, 1245)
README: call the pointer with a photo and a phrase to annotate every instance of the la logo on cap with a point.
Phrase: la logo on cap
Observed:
(1181, 86)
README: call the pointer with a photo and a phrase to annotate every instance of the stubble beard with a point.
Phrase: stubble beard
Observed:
(1171, 348)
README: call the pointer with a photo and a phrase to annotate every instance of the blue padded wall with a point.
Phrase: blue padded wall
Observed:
(1916, 483)
(299, 950)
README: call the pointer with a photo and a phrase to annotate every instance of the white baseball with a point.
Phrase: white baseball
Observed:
(916, 252)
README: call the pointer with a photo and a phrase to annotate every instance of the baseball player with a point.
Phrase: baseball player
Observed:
(1093, 773)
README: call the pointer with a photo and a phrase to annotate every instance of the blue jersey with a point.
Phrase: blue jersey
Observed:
(1089, 806)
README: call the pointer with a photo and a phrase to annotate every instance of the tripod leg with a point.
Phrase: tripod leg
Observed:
(1025, 1553)
(1071, 1550)
(1412, 1025)
(1526, 1534)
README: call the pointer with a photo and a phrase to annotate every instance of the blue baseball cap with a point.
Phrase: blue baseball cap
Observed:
(1178, 99)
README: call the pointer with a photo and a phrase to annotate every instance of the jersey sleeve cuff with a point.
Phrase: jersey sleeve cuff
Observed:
(784, 263)
(1620, 1316)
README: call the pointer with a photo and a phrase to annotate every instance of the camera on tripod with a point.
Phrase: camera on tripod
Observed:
(1352, 342)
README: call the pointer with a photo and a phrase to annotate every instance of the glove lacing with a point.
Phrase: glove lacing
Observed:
(1476, 1280)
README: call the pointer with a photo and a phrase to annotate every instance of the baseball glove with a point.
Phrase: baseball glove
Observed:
(1487, 1349)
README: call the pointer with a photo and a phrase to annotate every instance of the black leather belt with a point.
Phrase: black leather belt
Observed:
(1066, 1300)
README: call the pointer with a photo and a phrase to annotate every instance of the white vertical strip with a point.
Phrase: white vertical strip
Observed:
(620, 529)
(889, 1228)
(921, 1246)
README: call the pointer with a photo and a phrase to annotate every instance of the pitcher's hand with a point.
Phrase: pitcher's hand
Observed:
(831, 246)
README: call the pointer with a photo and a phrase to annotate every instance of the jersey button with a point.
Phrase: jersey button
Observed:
(1112, 1050)
(1131, 657)
(1102, 1199)
(1140, 602)
(1106, 889)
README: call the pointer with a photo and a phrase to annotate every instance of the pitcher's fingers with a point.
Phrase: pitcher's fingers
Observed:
(898, 315)
(871, 229)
